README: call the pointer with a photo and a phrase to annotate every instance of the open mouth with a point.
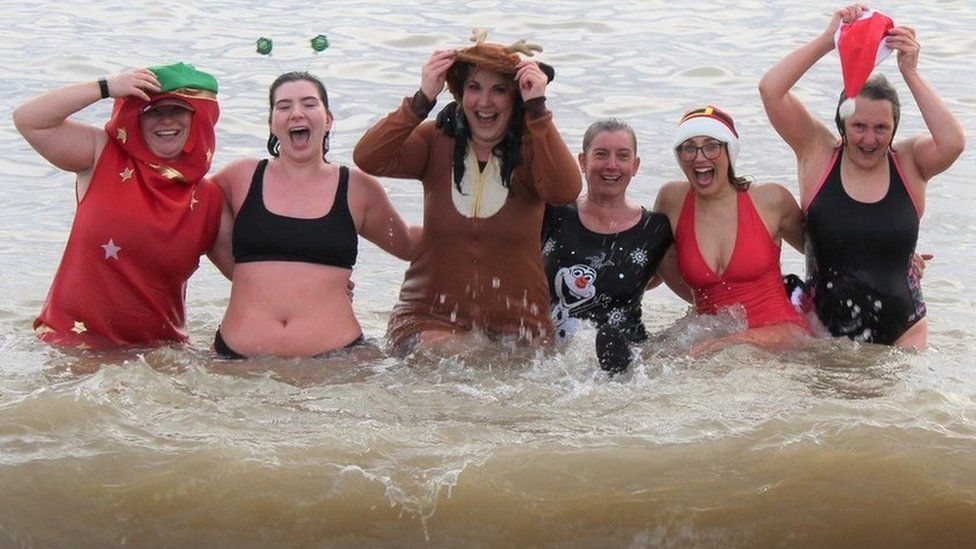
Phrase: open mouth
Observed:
(299, 135)
(704, 176)
(167, 133)
(484, 118)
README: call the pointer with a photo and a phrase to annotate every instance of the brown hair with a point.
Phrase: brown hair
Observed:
(609, 125)
(877, 88)
(296, 76)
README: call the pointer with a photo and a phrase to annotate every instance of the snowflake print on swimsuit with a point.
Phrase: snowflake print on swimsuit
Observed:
(616, 316)
(639, 256)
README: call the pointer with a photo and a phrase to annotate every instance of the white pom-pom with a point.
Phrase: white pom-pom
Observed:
(846, 108)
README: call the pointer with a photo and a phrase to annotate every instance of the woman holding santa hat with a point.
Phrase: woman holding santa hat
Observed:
(863, 193)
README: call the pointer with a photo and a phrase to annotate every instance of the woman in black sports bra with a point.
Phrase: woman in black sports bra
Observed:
(296, 221)
(864, 194)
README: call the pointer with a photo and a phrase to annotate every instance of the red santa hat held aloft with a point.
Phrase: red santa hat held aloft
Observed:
(861, 45)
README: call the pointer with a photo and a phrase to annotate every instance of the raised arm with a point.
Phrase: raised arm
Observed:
(377, 219)
(935, 152)
(805, 134)
(70, 145)
(392, 147)
(555, 172)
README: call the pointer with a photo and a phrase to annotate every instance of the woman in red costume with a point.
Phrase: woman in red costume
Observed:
(728, 233)
(145, 212)
(488, 165)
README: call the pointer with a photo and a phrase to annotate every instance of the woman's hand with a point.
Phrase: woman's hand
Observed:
(919, 261)
(433, 75)
(902, 40)
(847, 14)
(138, 83)
(531, 80)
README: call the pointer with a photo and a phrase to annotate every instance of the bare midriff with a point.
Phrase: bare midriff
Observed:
(289, 309)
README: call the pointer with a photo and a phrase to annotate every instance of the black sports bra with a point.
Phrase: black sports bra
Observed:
(260, 235)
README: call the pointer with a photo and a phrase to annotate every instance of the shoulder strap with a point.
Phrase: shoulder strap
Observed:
(894, 166)
(834, 159)
(255, 193)
(342, 193)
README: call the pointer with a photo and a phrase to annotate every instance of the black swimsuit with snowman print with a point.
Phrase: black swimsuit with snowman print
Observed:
(598, 277)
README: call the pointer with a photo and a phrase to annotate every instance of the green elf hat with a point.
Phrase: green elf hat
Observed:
(181, 76)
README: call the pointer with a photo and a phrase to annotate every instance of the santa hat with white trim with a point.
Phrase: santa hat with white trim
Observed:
(861, 46)
(711, 122)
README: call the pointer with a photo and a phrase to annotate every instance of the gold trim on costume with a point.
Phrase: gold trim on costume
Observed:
(168, 172)
(194, 93)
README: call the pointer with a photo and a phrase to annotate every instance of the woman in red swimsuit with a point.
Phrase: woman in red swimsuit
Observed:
(728, 233)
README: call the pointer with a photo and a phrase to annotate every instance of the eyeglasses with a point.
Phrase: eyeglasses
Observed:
(688, 151)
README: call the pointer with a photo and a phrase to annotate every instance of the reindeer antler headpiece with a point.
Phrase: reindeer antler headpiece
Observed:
(490, 56)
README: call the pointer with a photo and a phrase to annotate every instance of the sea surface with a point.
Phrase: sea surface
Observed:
(836, 445)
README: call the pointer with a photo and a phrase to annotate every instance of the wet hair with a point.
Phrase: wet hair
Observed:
(738, 183)
(608, 125)
(296, 76)
(454, 124)
(877, 88)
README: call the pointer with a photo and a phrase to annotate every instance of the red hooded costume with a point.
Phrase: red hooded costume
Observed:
(138, 232)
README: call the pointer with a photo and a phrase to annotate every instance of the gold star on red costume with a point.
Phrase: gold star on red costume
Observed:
(79, 327)
(122, 135)
(209, 155)
(126, 174)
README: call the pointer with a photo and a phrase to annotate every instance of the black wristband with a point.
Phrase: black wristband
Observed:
(103, 86)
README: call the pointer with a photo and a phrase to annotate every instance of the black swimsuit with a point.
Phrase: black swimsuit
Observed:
(859, 259)
(601, 277)
(261, 235)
